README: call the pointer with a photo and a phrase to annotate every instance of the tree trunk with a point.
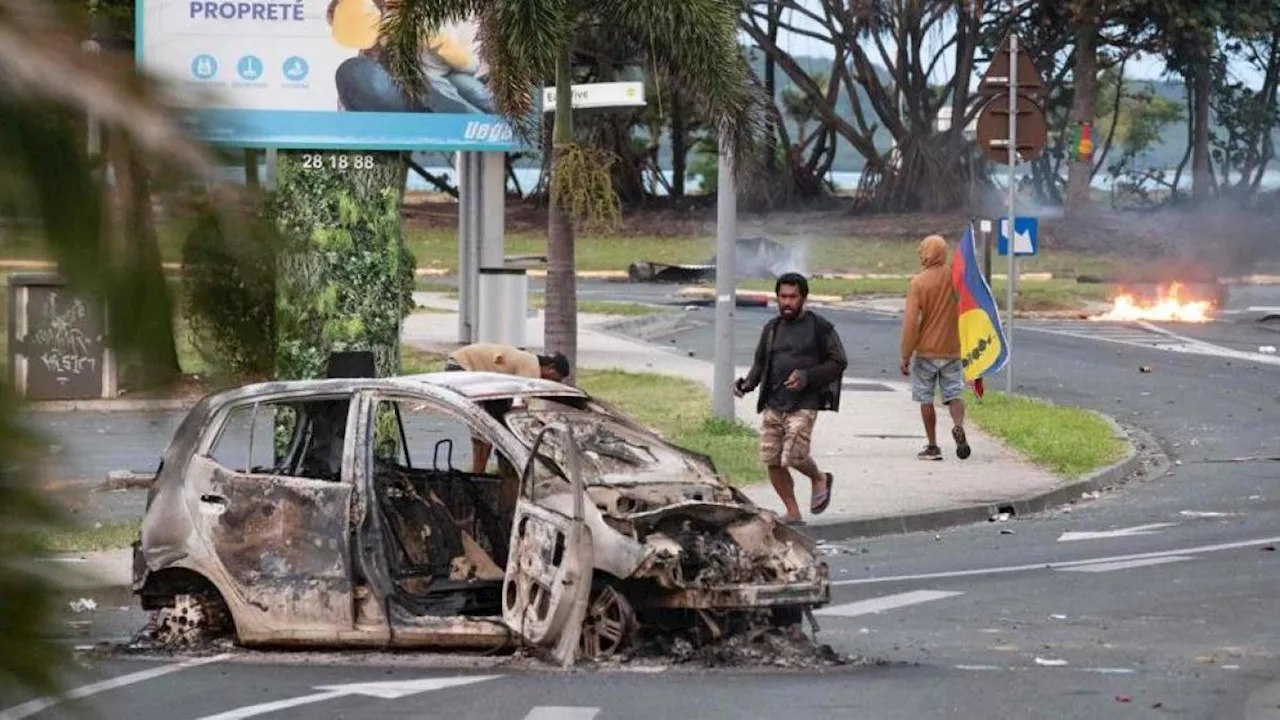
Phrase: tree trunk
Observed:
(679, 145)
(345, 278)
(141, 314)
(1201, 180)
(771, 89)
(561, 314)
(1083, 109)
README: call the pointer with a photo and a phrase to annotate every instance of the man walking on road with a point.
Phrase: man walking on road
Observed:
(800, 360)
(931, 332)
(492, 357)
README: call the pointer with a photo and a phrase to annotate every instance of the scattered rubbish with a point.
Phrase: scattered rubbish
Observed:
(1123, 698)
(1267, 349)
(1002, 517)
(1007, 531)
(1177, 462)
(1268, 548)
(83, 605)
(832, 550)
(1091, 495)
(1145, 369)
(1157, 705)
(938, 538)
(1048, 662)
(1058, 617)
(1255, 497)
(1205, 514)
(1230, 667)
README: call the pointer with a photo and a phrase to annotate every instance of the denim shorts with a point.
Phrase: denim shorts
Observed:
(930, 373)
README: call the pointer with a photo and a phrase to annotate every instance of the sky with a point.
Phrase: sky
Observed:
(1138, 68)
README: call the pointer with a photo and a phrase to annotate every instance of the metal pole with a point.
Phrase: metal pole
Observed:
(273, 168)
(726, 264)
(1013, 161)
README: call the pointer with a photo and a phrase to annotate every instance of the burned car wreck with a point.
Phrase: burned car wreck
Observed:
(347, 512)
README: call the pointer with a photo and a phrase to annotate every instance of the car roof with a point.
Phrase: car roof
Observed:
(473, 386)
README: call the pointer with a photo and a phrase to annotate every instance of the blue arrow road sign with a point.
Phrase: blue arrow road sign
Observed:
(1026, 236)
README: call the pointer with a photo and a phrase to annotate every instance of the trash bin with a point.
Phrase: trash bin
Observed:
(503, 300)
(57, 341)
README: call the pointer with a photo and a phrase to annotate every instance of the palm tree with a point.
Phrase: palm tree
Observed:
(48, 87)
(527, 42)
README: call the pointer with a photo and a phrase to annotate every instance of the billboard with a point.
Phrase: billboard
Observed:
(310, 74)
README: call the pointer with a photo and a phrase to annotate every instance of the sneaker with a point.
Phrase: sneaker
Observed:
(962, 443)
(930, 452)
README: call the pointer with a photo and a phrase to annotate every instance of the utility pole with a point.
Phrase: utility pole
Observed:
(726, 292)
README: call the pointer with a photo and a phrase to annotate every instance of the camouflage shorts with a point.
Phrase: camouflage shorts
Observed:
(785, 437)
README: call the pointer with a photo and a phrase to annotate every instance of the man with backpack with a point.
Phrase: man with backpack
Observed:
(799, 364)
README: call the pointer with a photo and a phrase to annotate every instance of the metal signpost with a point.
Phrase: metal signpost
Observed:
(1011, 86)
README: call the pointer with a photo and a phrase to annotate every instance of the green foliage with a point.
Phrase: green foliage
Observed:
(344, 276)
(27, 657)
(228, 286)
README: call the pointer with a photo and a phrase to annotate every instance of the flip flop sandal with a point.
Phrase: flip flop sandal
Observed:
(794, 523)
(826, 497)
(962, 443)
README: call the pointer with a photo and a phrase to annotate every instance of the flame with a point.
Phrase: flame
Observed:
(1168, 307)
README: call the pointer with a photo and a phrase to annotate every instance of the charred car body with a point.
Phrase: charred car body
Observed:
(333, 512)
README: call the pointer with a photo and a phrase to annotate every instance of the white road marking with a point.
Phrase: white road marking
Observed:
(553, 712)
(1123, 565)
(1007, 569)
(31, 707)
(888, 602)
(978, 667)
(1108, 534)
(392, 690)
(1154, 337)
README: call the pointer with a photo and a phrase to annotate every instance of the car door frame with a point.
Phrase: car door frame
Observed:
(369, 528)
(303, 590)
(551, 563)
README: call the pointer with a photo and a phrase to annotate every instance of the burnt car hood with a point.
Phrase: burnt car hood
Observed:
(613, 453)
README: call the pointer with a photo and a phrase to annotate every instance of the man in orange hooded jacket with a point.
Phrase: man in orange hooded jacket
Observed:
(931, 332)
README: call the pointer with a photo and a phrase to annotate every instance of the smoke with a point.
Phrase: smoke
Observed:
(761, 257)
(1216, 240)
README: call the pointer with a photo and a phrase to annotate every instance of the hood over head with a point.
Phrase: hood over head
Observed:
(933, 251)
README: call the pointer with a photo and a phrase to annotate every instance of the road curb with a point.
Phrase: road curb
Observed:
(109, 405)
(1018, 506)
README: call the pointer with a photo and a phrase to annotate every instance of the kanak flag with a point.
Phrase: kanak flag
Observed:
(983, 347)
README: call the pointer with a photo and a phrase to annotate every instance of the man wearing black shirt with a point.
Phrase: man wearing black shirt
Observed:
(801, 360)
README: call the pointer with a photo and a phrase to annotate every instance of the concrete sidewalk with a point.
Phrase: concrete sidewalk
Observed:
(870, 445)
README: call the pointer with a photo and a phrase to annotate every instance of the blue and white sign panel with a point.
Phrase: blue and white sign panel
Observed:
(1026, 239)
(308, 74)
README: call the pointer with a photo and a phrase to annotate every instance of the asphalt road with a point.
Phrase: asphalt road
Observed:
(1168, 613)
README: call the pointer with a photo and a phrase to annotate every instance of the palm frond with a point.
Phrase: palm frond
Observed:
(696, 43)
(522, 40)
(404, 26)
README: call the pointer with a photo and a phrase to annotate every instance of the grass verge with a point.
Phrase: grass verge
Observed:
(678, 409)
(1066, 440)
(1039, 295)
(89, 539)
(438, 249)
